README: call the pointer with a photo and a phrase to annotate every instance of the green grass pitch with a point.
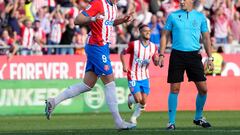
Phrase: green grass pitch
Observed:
(150, 123)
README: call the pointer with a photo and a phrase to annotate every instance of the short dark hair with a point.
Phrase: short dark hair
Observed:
(142, 26)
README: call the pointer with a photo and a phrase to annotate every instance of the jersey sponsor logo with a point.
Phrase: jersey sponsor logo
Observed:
(108, 22)
(142, 62)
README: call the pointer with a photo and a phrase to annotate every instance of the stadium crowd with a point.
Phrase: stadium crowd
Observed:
(45, 27)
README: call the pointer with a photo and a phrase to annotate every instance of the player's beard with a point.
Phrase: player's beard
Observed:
(145, 38)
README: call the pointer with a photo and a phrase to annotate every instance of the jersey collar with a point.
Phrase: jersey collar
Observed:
(109, 2)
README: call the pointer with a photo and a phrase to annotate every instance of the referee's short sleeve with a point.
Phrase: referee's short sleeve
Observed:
(168, 26)
(204, 26)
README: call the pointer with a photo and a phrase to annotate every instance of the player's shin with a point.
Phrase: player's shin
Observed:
(139, 108)
(131, 99)
(111, 99)
(72, 91)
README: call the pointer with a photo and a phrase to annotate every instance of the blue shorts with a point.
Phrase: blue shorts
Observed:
(98, 59)
(142, 86)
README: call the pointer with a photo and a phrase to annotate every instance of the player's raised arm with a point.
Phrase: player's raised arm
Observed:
(92, 13)
(82, 19)
(125, 19)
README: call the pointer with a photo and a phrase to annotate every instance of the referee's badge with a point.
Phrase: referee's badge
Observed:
(194, 23)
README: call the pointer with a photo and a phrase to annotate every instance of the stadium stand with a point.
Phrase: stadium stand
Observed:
(36, 27)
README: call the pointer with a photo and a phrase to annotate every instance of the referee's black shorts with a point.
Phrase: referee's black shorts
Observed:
(189, 61)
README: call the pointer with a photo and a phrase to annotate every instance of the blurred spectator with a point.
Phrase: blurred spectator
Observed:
(207, 14)
(208, 4)
(43, 16)
(28, 10)
(218, 62)
(161, 19)
(56, 30)
(65, 3)
(133, 30)
(235, 24)
(123, 5)
(27, 34)
(12, 17)
(155, 30)
(2, 5)
(20, 8)
(223, 15)
(67, 37)
(38, 4)
(121, 35)
(80, 40)
(10, 48)
(171, 6)
(222, 27)
(39, 38)
(154, 6)
(113, 46)
(238, 5)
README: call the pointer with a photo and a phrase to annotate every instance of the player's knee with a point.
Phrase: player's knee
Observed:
(89, 84)
(203, 91)
(143, 102)
(175, 90)
(138, 99)
(82, 87)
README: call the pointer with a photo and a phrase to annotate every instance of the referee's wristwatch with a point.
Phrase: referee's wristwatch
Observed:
(210, 58)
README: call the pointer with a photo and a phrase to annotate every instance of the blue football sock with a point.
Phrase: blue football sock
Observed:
(200, 101)
(172, 107)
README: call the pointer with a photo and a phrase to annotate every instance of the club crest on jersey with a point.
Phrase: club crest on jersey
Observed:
(106, 67)
(88, 7)
(132, 89)
(108, 22)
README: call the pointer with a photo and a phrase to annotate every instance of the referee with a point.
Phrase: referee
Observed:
(186, 26)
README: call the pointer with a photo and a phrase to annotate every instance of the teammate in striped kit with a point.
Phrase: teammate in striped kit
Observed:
(101, 15)
(141, 52)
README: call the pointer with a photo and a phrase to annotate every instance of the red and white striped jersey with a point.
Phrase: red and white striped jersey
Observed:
(73, 12)
(41, 3)
(40, 34)
(56, 31)
(140, 57)
(101, 30)
(51, 3)
(27, 36)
